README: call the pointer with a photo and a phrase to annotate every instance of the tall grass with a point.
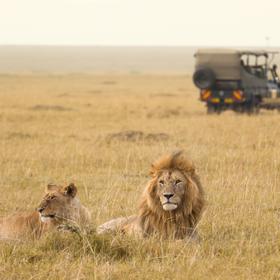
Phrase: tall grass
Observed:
(58, 129)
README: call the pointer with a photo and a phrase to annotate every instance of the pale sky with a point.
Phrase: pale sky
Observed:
(140, 22)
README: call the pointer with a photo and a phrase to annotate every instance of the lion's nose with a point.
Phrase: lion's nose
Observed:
(168, 195)
(40, 209)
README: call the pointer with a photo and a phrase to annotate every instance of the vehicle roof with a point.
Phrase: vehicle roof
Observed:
(234, 52)
(226, 63)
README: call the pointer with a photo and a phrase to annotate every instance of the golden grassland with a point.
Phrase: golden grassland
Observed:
(74, 128)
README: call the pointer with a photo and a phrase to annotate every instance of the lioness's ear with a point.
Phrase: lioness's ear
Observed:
(70, 190)
(51, 187)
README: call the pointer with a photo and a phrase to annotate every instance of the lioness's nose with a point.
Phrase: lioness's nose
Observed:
(168, 195)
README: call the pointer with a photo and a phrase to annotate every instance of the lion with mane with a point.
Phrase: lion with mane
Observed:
(171, 204)
(59, 205)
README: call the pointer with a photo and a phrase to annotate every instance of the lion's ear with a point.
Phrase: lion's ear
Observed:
(70, 190)
(193, 170)
(153, 170)
(51, 187)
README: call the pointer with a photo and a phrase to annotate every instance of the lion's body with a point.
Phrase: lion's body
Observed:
(175, 217)
(56, 208)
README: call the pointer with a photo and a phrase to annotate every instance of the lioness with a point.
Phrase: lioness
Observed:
(171, 204)
(59, 205)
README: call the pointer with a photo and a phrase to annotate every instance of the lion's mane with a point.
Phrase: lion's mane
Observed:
(183, 221)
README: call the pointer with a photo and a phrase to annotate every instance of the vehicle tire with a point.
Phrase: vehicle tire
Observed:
(239, 109)
(211, 109)
(252, 107)
(204, 78)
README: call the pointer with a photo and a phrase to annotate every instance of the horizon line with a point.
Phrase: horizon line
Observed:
(136, 46)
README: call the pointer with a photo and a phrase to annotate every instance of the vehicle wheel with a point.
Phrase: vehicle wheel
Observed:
(211, 109)
(252, 108)
(204, 78)
(239, 109)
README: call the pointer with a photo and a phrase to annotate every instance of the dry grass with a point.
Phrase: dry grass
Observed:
(56, 129)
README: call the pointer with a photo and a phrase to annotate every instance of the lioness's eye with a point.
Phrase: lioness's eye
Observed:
(178, 182)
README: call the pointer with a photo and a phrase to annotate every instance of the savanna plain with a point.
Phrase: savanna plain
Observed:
(102, 132)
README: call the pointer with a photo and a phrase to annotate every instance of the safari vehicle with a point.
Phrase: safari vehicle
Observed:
(241, 80)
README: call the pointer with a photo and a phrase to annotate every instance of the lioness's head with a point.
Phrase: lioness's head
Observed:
(171, 188)
(58, 204)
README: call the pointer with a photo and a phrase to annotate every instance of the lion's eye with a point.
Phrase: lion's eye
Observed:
(161, 182)
(178, 182)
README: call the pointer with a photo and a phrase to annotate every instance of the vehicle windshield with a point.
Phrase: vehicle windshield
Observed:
(255, 65)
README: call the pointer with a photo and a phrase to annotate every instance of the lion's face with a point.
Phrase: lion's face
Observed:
(171, 186)
(58, 203)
